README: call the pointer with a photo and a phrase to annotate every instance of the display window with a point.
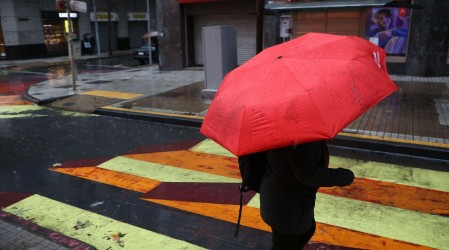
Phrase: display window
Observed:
(56, 30)
(55, 36)
(388, 28)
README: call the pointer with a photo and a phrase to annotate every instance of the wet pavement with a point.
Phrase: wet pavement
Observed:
(415, 118)
(128, 180)
(111, 183)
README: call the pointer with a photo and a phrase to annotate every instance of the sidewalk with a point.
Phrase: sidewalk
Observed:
(412, 121)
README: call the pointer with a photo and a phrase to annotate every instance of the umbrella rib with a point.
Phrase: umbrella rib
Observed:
(322, 121)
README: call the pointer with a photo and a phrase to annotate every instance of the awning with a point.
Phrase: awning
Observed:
(276, 5)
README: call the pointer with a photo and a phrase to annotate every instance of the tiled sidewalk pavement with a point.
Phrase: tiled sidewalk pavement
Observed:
(13, 237)
(18, 233)
(418, 111)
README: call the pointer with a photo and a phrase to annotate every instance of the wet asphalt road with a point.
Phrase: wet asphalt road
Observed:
(34, 139)
(30, 145)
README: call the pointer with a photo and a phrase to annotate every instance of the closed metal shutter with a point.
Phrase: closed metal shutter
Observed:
(338, 22)
(103, 31)
(136, 29)
(245, 26)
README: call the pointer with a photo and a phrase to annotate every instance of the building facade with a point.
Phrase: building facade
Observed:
(416, 40)
(35, 28)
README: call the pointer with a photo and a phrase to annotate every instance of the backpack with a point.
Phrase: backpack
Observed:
(252, 167)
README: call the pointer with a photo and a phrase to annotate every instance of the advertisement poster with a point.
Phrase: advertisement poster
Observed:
(388, 28)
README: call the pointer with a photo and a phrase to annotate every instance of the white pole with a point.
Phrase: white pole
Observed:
(97, 36)
(149, 33)
(70, 42)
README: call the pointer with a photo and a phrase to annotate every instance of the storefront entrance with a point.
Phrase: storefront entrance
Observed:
(55, 38)
(55, 31)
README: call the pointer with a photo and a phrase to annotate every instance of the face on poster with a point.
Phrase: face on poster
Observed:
(388, 28)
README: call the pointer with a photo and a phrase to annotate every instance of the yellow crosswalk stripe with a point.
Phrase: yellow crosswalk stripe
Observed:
(16, 111)
(21, 111)
(112, 94)
(210, 147)
(341, 216)
(162, 172)
(416, 177)
(395, 223)
(94, 229)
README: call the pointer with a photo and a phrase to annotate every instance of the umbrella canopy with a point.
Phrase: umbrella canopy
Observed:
(87, 35)
(304, 90)
(150, 34)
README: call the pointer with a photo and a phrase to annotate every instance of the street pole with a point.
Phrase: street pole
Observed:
(70, 43)
(149, 33)
(97, 36)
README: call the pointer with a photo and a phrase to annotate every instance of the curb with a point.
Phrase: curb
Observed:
(64, 61)
(356, 144)
(32, 99)
(398, 149)
(167, 118)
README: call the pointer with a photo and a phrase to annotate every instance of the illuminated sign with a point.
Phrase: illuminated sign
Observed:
(64, 15)
(137, 16)
(103, 16)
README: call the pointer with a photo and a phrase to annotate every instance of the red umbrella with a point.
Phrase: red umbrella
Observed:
(304, 90)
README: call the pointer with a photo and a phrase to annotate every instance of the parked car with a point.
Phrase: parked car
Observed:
(141, 54)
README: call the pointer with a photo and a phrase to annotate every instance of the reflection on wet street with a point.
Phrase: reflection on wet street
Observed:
(16, 81)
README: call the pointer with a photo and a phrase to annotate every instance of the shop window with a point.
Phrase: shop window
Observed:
(55, 38)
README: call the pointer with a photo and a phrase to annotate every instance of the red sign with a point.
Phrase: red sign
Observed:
(61, 5)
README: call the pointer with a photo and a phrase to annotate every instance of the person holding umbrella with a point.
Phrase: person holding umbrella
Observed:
(287, 101)
(288, 190)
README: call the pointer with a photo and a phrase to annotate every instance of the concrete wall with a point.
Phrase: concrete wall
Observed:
(22, 29)
(270, 30)
(170, 38)
(21, 22)
(429, 39)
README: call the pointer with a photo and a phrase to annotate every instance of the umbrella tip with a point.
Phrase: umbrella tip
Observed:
(279, 57)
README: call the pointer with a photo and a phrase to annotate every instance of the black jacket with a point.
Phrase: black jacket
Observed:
(292, 177)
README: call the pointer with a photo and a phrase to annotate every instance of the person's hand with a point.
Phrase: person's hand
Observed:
(346, 177)
(384, 34)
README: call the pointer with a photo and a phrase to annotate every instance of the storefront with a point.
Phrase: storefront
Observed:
(384, 26)
(137, 27)
(106, 31)
(56, 28)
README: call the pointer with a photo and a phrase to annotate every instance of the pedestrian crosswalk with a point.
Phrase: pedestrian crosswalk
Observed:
(97, 230)
(387, 207)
